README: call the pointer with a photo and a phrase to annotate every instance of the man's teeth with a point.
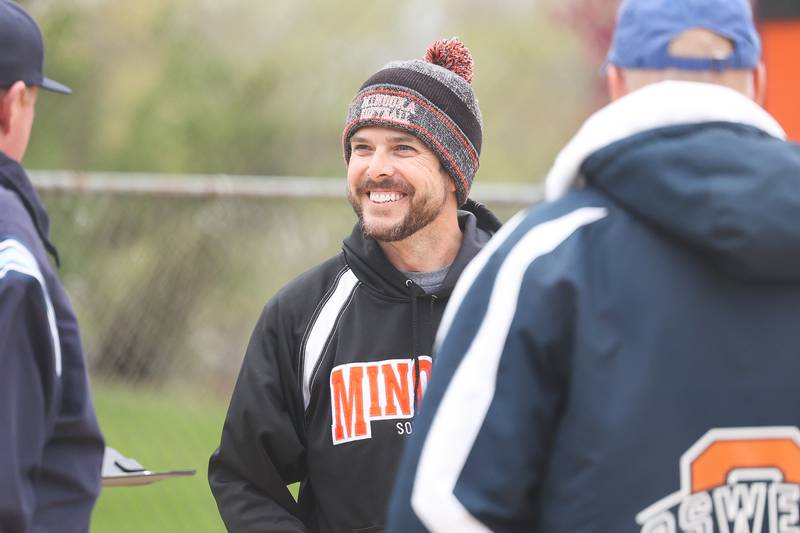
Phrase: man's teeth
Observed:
(383, 197)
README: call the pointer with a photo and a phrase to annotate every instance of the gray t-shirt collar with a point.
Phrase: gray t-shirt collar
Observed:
(429, 282)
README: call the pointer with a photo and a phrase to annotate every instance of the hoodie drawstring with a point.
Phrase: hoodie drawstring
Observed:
(434, 299)
(415, 294)
(414, 339)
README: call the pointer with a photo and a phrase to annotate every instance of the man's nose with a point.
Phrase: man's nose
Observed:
(380, 165)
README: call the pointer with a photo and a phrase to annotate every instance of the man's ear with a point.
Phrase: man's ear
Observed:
(10, 104)
(615, 79)
(760, 84)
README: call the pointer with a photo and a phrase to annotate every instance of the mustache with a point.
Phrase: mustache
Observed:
(387, 183)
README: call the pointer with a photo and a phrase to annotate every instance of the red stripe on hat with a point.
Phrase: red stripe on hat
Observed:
(416, 127)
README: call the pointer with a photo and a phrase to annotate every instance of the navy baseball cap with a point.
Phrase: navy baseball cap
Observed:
(645, 29)
(22, 50)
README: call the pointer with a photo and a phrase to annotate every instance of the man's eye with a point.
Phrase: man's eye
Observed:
(404, 147)
(360, 147)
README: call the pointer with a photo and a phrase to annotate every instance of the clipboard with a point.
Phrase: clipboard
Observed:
(121, 471)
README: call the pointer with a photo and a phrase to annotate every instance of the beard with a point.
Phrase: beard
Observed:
(422, 210)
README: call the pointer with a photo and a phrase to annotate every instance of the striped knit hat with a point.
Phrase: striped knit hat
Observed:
(432, 100)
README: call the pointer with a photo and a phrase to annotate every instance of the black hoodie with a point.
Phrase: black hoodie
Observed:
(326, 393)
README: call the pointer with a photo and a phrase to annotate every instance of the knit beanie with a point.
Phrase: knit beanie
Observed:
(431, 99)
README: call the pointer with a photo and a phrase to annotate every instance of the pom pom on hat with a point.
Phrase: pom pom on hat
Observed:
(453, 55)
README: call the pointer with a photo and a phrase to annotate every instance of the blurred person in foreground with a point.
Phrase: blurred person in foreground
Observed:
(341, 356)
(51, 448)
(625, 357)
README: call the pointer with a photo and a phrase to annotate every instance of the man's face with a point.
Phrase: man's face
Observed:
(395, 183)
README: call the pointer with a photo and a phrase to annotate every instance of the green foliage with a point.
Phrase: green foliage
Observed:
(243, 87)
(168, 288)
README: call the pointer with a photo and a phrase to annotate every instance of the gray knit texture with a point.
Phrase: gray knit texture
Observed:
(453, 81)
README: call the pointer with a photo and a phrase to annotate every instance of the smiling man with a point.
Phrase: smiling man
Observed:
(340, 357)
(404, 199)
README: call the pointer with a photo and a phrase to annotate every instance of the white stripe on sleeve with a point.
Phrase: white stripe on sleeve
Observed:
(323, 326)
(471, 272)
(452, 434)
(14, 256)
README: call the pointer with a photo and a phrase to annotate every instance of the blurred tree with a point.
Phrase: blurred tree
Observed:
(197, 86)
(243, 87)
(593, 21)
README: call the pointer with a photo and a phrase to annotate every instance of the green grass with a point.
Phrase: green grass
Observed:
(163, 431)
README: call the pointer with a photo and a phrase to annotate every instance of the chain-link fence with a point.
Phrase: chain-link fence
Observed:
(168, 276)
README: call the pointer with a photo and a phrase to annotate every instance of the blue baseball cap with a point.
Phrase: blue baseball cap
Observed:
(22, 50)
(645, 29)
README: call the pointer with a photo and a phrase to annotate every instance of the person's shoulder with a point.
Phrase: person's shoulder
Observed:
(18, 226)
(21, 278)
(307, 289)
(19, 241)
(550, 222)
(14, 218)
(296, 303)
(544, 245)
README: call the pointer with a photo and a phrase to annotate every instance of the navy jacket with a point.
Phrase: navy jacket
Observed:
(625, 357)
(51, 448)
(326, 393)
